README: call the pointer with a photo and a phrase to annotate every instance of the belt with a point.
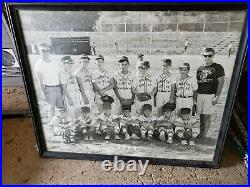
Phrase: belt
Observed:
(184, 96)
(165, 91)
(52, 86)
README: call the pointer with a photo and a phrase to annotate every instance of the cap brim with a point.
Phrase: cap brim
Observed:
(183, 67)
(123, 60)
(99, 58)
(85, 57)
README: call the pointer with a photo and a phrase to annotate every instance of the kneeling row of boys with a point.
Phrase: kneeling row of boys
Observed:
(184, 126)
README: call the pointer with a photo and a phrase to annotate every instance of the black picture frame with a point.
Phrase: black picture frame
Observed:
(16, 28)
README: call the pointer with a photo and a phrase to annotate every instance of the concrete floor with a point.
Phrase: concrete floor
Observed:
(22, 165)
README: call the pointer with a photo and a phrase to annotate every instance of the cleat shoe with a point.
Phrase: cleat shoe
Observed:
(170, 140)
(127, 137)
(184, 142)
(86, 138)
(133, 136)
(107, 137)
(117, 137)
(150, 137)
(162, 137)
(191, 142)
(91, 138)
(143, 136)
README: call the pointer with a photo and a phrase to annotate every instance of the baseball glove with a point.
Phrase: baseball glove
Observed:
(143, 97)
(107, 99)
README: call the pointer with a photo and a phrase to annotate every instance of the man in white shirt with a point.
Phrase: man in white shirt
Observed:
(48, 76)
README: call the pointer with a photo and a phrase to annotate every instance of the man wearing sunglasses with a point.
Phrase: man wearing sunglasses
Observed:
(210, 78)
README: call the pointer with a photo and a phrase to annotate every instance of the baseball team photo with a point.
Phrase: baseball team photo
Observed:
(148, 84)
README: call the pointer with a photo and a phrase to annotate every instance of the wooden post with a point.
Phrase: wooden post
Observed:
(229, 22)
(141, 21)
(150, 42)
(204, 28)
(125, 29)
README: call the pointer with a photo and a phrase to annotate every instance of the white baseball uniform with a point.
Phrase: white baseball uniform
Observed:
(164, 84)
(124, 85)
(102, 79)
(86, 78)
(184, 92)
(143, 84)
(166, 124)
(190, 125)
(109, 121)
(69, 80)
(147, 123)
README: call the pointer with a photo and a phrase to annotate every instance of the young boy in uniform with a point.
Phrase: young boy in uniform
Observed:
(85, 124)
(165, 86)
(187, 127)
(123, 83)
(108, 122)
(144, 87)
(186, 89)
(165, 125)
(147, 122)
(62, 126)
(129, 123)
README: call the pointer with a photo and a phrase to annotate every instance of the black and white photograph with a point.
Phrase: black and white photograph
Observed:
(151, 84)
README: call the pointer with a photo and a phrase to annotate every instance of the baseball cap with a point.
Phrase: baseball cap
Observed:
(145, 64)
(61, 109)
(185, 111)
(185, 65)
(146, 107)
(85, 109)
(84, 56)
(140, 55)
(99, 57)
(167, 61)
(123, 58)
(67, 60)
(126, 107)
(168, 107)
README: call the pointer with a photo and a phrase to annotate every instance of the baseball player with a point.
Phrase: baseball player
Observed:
(85, 124)
(70, 88)
(140, 59)
(147, 121)
(187, 127)
(165, 126)
(84, 80)
(129, 123)
(63, 126)
(144, 87)
(165, 86)
(108, 122)
(186, 45)
(186, 89)
(103, 83)
(123, 83)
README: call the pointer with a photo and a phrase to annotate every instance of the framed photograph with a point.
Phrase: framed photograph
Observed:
(148, 81)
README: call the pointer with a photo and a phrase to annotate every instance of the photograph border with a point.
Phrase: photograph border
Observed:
(22, 57)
